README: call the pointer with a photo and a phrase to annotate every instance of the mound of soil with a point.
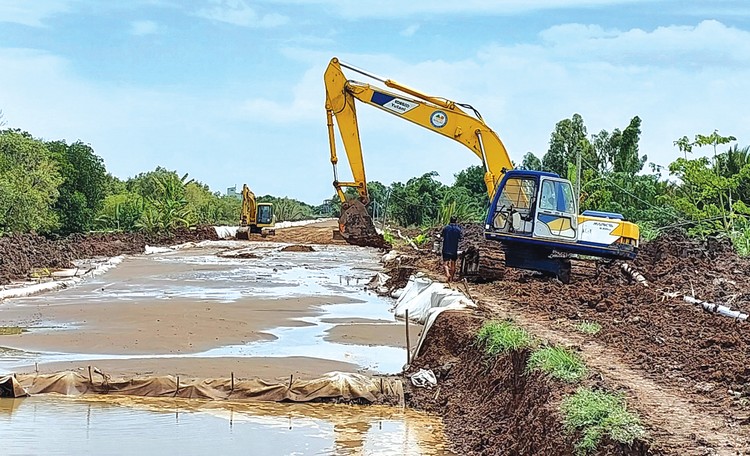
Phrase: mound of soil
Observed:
(20, 254)
(491, 406)
(297, 248)
(315, 233)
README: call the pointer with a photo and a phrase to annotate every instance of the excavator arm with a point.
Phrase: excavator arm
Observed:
(439, 115)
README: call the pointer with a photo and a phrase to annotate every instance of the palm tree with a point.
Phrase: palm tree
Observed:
(732, 161)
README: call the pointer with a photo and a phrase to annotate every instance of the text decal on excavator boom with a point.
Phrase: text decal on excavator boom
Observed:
(391, 103)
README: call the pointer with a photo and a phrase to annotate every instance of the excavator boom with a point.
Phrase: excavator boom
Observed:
(439, 115)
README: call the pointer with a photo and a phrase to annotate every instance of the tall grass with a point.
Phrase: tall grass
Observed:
(558, 362)
(596, 413)
(497, 337)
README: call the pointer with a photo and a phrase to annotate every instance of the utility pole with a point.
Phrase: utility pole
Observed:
(385, 209)
(578, 175)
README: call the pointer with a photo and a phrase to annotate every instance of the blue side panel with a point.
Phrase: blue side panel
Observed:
(381, 98)
(546, 218)
(609, 215)
(614, 251)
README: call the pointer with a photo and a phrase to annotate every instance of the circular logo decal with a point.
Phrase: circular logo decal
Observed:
(438, 119)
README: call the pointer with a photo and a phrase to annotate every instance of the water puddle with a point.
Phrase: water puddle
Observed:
(55, 425)
(309, 341)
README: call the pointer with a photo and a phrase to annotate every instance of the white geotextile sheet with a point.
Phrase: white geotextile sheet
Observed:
(423, 297)
(63, 279)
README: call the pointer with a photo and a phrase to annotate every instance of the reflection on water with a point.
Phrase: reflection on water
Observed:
(54, 425)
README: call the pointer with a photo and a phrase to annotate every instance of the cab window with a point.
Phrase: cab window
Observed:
(557, 196)
(264, 214)
(517, 192)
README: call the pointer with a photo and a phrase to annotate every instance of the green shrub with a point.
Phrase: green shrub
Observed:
(597, 413)
(389, 238)
(558, 362)
(497, 337)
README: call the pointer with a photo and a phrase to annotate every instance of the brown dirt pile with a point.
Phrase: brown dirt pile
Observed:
(316, 233)
(297, 248)
(491, 406)
(20, 254)
(708, 269)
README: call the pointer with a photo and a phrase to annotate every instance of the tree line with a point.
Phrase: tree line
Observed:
(52, 187)
(56, 188)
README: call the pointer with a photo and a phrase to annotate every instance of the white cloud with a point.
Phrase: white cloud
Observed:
(708, 43)
(400, 8)
(32, 12)
(410, 30)
(238, 12)
(142, 28)
(206, 133)
(681, 80)
(305, 106)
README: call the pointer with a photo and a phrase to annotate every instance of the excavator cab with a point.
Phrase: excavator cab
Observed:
(265, 217)
(535, 215)
(533, 211)
(534, 204)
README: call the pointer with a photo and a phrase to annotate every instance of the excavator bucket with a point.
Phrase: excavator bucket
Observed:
(356, 227)
(243, 233)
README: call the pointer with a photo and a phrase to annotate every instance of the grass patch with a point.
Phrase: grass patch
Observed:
(11, 330)
(588, 327)
(502, 336)
(597, 413)
(558, 362)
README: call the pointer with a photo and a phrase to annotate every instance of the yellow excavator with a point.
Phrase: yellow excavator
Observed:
(255, 217)
(534, 214)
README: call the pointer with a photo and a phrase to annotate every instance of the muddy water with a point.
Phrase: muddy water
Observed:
(201, 274)
(53, 425)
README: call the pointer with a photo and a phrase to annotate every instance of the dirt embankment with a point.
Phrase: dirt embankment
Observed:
(315, 233)
(654, 341)
(653, 327)
(492, 406)
(21, 254)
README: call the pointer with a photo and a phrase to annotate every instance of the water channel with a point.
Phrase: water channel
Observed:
(52, 424)
(58, 425)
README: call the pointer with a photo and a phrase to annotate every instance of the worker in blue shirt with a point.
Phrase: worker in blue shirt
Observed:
(451, 234)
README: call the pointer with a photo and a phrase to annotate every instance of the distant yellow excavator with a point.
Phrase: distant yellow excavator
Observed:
(533, 214)
(255, 217)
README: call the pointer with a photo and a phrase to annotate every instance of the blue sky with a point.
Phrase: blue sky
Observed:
(231, 91)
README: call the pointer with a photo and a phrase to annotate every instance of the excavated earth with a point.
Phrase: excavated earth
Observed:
(699, 361)
(21, 255)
